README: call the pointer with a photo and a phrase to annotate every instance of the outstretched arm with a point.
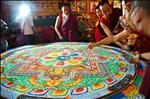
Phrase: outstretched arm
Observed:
(146, 55)
(110, 39)
(109, 33)
(57, 25)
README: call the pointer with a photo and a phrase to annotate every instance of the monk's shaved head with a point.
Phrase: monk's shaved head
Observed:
(140, 15)
(143, 4)
(65, 9)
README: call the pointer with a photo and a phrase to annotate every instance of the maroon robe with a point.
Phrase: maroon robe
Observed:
(49, 34)
(143, 43)
(70, 29)
(112, 20)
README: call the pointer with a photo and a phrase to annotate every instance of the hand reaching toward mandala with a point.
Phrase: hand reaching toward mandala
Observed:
(91, 45)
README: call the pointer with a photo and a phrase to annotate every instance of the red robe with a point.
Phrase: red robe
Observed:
(99, 33)
(143, 43)
(70, 29)
(112, 20)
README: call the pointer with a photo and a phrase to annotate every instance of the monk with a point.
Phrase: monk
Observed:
(110, 19)
(98, 33)
(66, 26)
(140, 16)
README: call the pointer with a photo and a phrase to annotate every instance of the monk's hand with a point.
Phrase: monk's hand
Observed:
(146, 55)
(121, 21)
(136, 57)
(125, 47)
(91, 45)
(60, 37)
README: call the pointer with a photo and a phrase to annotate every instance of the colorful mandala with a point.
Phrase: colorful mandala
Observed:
(68, 70)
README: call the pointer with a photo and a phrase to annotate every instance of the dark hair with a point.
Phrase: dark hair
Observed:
(97, 7)
(143, 4)
(126, 1)
(102, 2)
(65, 4)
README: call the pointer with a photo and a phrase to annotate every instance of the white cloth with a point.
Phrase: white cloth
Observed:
(26, 24)
(64, 18)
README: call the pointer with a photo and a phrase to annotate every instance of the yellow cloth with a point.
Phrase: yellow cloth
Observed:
(96, 23)
(133, 35)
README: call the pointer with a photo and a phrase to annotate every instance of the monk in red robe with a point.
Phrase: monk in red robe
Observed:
(98, 33)
(140, 15)
(66, 26)
(110, 19)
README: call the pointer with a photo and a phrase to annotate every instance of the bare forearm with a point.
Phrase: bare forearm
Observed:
(119, 44)
(115, 38)
(57, 31)
(146, 55)
(110, 39)
(107, 40)
(57, 27)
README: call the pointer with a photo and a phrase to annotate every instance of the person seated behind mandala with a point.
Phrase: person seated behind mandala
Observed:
(98, 32)
(66, 26)
(109, 20)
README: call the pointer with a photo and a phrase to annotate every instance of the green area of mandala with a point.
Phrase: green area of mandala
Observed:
(113, 68)
(8, 66)
(23, 80)
(107, 53)
(138, 80)
(86, 82)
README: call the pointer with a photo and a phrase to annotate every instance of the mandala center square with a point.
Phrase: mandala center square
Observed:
(61, 58)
